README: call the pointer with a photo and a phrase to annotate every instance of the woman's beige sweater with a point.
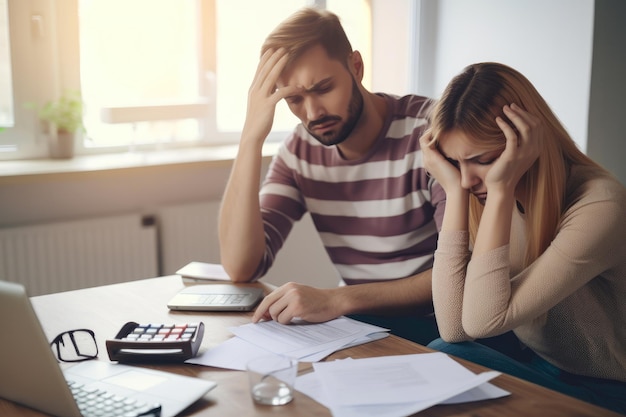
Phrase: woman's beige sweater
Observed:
(568, 306)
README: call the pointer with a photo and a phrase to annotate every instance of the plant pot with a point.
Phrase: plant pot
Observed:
(61, 145)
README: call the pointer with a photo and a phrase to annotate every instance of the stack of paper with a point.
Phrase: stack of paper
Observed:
(307, 342)
(195, 272)
(389, 386)
(394, 386)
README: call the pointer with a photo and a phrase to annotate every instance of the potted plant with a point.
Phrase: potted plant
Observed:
(64, 119)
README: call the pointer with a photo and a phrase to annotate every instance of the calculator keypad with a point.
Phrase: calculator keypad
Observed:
(159, 342)
(162, 332)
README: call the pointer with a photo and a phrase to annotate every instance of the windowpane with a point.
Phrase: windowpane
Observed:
(138, 56)
(138, 53)
(6, 88)
(241, 32)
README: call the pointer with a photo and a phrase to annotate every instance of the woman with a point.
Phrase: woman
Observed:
(533, 239)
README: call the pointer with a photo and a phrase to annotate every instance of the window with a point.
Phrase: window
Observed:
(141, 65)
(238, 55)
(6, 92)
(153, 73)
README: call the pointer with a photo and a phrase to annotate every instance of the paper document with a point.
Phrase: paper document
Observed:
(482, 392)
(309, 384)
(395, 386)
(201, 271)
(307, 342)
(306, 339)
(231, 354)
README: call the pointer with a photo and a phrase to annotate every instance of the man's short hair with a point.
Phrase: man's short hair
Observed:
(309, 27)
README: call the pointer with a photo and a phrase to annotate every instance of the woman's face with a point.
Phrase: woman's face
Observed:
(473, 161)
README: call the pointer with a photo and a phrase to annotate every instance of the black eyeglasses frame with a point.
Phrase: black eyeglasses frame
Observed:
(59, 340)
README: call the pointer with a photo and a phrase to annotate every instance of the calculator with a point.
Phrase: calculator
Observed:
(155, 342)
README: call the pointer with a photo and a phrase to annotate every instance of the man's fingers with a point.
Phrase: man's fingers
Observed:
(262, 311)
(269, 69)
(257, 317)
(276, 66)
(267, 61)
(259, 314)
(283, 314)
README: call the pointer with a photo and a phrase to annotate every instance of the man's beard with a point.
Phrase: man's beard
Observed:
(355, 109)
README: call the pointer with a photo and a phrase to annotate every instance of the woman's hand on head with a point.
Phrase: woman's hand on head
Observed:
(523, 145)
(446, 174)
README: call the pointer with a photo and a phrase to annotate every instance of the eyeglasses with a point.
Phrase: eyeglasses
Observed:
(75, 345)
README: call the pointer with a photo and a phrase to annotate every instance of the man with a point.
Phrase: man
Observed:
(354, 163)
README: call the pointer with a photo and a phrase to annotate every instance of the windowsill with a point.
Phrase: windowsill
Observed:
(213, 155)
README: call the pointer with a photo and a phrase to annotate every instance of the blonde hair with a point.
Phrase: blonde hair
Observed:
(471, 102)
(309, 27)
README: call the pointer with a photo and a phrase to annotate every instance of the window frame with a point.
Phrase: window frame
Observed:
(48, 47)
(33, 28)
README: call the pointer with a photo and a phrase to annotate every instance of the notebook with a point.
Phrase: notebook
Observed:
(216, 297)
(203, 271)
(31, 375)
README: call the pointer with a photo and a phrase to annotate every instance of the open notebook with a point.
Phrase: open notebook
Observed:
(31, 376)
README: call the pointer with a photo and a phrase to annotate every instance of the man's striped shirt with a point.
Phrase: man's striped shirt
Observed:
(378, 217)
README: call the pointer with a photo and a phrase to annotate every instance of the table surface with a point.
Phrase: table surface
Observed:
(105, 309)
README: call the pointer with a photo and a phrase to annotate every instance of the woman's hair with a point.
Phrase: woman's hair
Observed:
(309, 27)
(471, 103)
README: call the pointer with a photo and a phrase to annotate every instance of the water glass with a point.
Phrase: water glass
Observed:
(272, 379)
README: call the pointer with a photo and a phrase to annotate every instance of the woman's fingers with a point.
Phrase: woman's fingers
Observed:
(523, 145)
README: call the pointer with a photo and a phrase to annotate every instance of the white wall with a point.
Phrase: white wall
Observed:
(392, 45)
(59, 197)
(550, 42)
(607, 140)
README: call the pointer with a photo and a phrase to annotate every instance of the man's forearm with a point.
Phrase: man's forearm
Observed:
(241, 235)
(407, 296)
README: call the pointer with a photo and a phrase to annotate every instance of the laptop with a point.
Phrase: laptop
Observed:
(216, 297)
(31, 375)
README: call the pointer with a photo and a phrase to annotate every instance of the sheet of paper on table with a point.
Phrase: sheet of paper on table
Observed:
(394, 386)
(389, 386)
(307, 342)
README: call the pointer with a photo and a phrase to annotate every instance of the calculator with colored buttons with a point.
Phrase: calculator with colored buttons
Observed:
(155, 342)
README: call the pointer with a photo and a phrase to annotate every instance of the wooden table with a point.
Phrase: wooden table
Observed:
(105, 309)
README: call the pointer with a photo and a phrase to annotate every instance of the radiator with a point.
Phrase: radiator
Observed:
(63, 256)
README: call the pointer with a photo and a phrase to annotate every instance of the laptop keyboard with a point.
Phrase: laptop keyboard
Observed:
(94, 402)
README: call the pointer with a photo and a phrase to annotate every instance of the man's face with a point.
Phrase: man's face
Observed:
(329, 102)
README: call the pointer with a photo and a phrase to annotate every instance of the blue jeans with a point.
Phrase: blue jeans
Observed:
(529, 366)
(420, 330)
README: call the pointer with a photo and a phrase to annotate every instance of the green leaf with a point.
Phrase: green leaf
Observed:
(66, 113)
